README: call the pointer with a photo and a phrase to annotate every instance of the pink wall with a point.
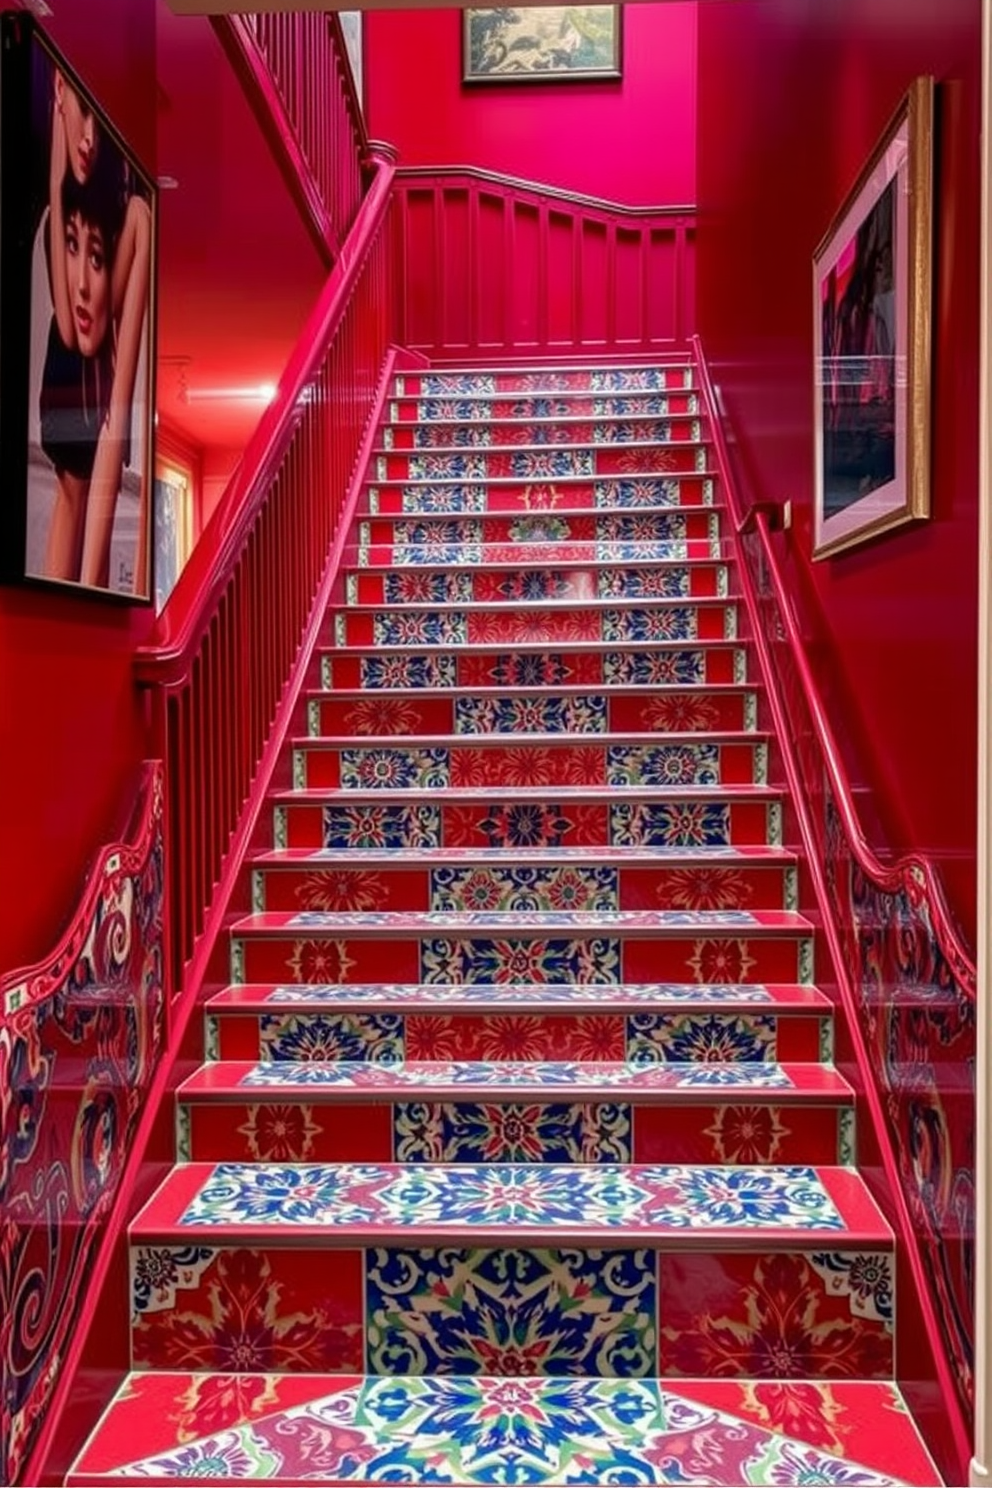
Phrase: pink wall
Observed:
(631, 141)
(792, 97)
(71, 730)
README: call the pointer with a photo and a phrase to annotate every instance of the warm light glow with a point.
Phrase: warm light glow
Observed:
(261, 392)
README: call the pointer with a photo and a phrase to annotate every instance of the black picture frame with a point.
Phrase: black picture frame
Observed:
(78, 248)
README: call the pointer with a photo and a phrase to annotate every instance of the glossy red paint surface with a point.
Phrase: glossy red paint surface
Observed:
(631, 141)
(792, 99)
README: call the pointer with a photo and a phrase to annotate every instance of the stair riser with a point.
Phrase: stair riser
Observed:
(587, 886)
(586, 1311)
(625, 623)
(588, 713)
(535, 529)
(658, 668)
(606, 959)
(295, 1129)
(528, 554)
(389, 767)
(510, 824)
(476, 434)
(687, 1038)
(415, 585)
(547, 464)
(575, 380)
(578, 405)
(635, 493)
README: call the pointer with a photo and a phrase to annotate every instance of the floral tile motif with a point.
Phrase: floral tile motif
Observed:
(866, 1280)
(530, 585)
(579, 714)
(448, 466)
(376, 716)
(511, 1312)
(521, 669)
(381, 826)
(243, 1310)
(651, 1200)
(646, 492)
(506, 889)
(631, 379)
(682, 824)
(462, 1429)
(526, 824)
(663, 764)
(444, 384)
(634, 668)
(542, 1075)
(540, 994)
(437, 534)
(427, 588)
(280, 1132)
(529, 765)
(642, 583)
(671, 623)
(632, 430)
(775, 1317)
(449, 628)
(616, 407)
(454, 498)
(702, 1037)
(303, 1037)
(394, 768)
(509, 960)
(454, 408)
(478, 1132)
(642, 527)
(408, 671)
(540, 464)
(545, 1034)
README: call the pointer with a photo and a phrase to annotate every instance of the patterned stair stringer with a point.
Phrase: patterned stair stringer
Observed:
(519, 1154)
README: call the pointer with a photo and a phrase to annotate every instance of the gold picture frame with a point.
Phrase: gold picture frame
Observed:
(541, 43)
(872, 290)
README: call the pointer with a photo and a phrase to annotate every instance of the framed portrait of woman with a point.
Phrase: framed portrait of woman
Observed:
(77, 316)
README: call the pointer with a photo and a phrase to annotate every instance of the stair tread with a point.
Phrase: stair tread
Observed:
(172, 1425)
(466, 1080)
(600, 554)
(494, 692)
(567, 997)
(542, 604)
(524, 856)
(611, 794)
(566, 513)
(517, 923)
(661, 1203)
(655, 472)
(521, 740)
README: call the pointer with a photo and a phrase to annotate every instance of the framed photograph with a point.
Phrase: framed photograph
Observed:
(871, 333)
(77, 308)
(540, 42)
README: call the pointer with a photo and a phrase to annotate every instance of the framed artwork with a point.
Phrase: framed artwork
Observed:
(541, 42)
(871, 332)
(77, 296)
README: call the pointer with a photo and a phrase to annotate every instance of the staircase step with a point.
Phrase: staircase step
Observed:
(435, 762)
(659, 665)
(510, 433)
(603, 620)
(619, 946)
(553, 878)
(638, 491)
(471, 407)
(178, 1425)
(540, 380)
(476, 1111)
(673, 1023)
(543, 463)
(540, 528)
(528, 579)
(723, 708)
(570, 816)
(650, 553)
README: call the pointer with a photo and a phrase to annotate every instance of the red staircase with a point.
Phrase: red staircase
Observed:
(519, 1155)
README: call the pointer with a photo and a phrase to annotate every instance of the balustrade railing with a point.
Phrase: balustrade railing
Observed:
(227, 640)
(81, 1034)
(492, 267)
(295, 71)
(907, 980)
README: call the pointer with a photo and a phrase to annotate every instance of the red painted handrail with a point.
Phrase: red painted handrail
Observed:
(892, 944)
(81, 1034)
(492, 266)
(295, 71)
(225, 644)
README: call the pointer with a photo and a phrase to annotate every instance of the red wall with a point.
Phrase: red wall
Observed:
(71, 731)
(631, 141)
(792, 97)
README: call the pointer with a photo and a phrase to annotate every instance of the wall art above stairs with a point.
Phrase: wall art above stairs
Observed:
(521, 1153)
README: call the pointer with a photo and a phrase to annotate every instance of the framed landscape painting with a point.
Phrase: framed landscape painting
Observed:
(871, 333)
(77, 284)
(541, 42)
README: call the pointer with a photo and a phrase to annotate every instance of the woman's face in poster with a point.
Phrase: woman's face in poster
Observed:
(89, 283)
(81, 134)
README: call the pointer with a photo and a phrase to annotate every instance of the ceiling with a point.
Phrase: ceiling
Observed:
(238, 273)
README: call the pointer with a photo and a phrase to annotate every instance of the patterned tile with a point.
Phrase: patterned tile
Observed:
(394, 768)
(518, 715)
(408, 671)
(663, 764)
(540, 994)
(449, 628)
(506, 889)
(381, 826)
(593, 1197)
(461, 1429)
(668, 623)
(303, 1037)
(512, 960)
(643, 583)
(474, 1131)
(511, 1312)
(533, 1075)
(633, 668)
(700, 1037)
(689, 824)
(427, 588)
